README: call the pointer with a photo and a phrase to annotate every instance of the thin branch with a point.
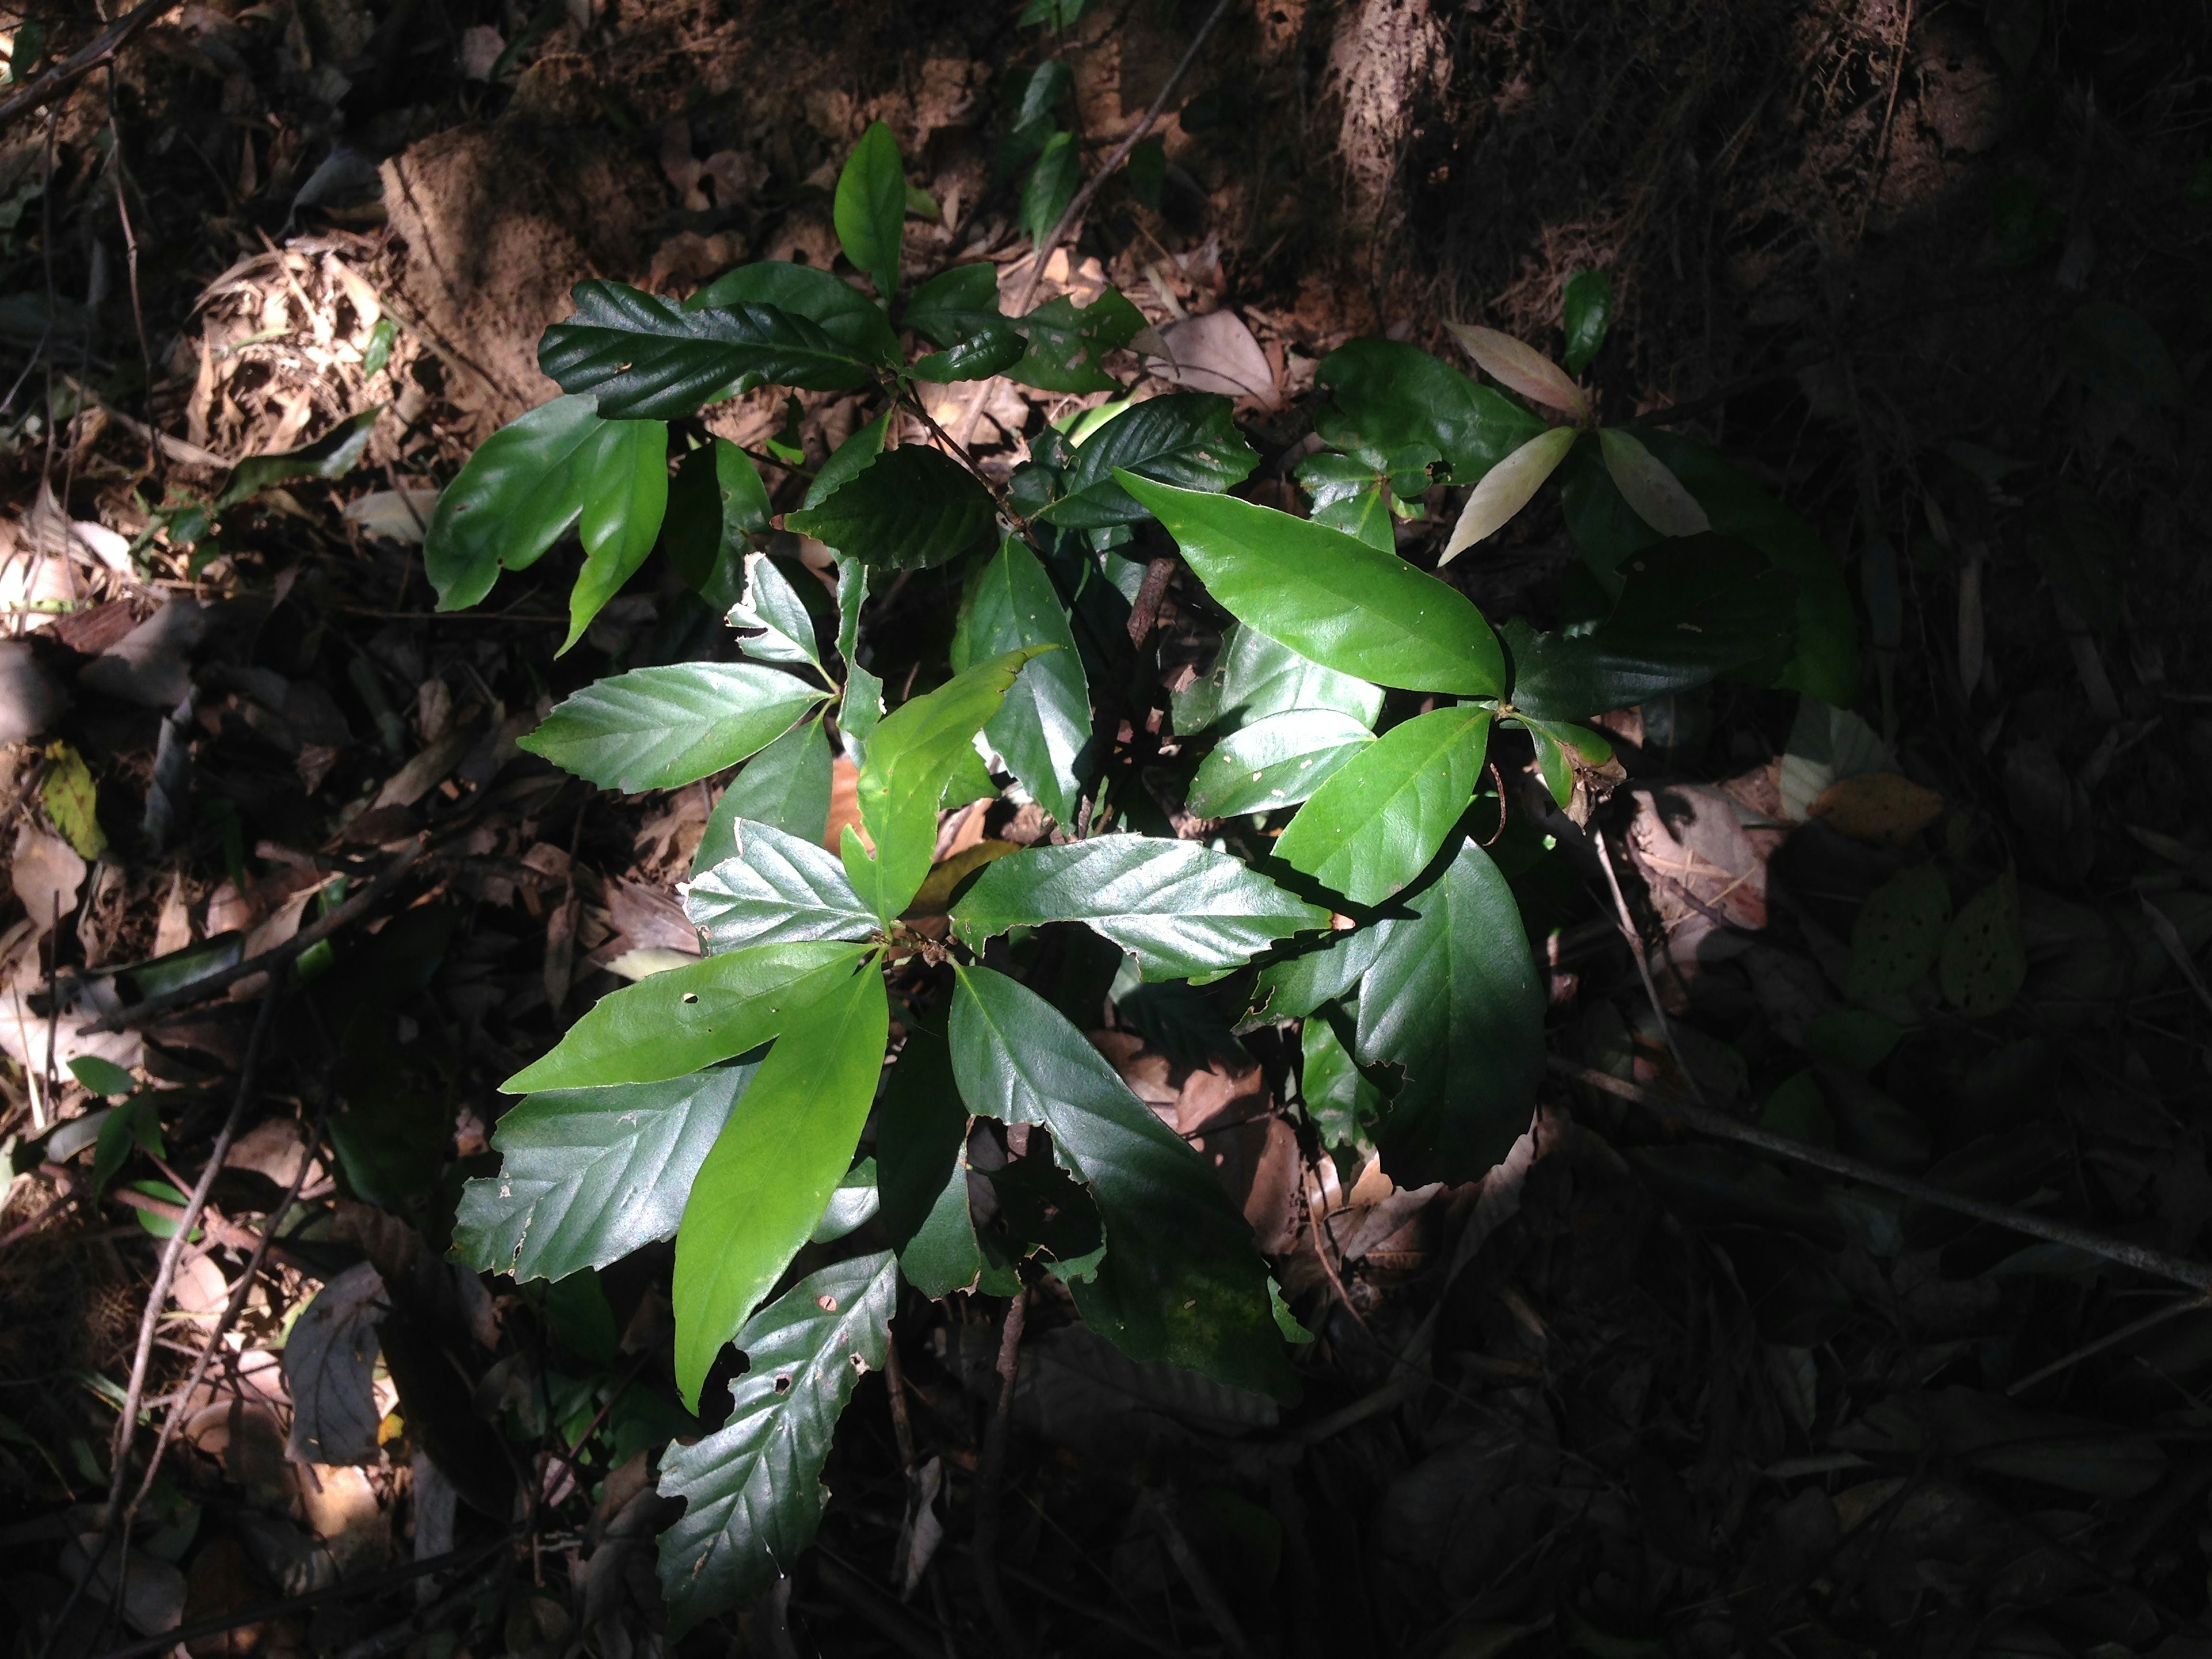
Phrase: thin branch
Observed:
(71, 70)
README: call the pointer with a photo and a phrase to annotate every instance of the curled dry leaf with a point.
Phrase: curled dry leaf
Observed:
(1214, 353)
(1653, 493)
(1522, 368)
(1506, 488)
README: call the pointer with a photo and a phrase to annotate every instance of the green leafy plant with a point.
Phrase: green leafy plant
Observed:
(1339, 886)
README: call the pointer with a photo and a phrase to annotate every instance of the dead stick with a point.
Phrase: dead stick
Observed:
(2195, 1274)
(989, 1477)
(71, 70)
(138, 1013)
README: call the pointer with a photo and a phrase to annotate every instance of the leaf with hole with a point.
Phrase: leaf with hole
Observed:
(762, 1187)
(1984, 959)
(1068, 343)
(1182, 910)
(1188, 439)
(1275, 761)
(1329, 597)
(775, 889)
(1180, 1279)
(752, 1490)
(670, 1023)
(588, 1176)
(660, 728)
(1042, 729)
(774, 623)
(1376, 824)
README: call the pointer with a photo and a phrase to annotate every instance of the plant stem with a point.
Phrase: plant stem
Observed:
(991, 1474)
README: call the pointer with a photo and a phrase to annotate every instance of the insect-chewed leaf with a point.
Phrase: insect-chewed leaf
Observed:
(659, 728)
(762, 1187)
(1188, 439)
(590, 1174)
(650, 358)
(911, 508)
(1068, 342)
(1043, 726)
(1182, 910)
(1984, 960)
(1374, 826)
(668, 1024)
(1647, 486)
(869, 208)
(1507, 487)
(1899, 932)
(1275, 761)
(775, 888)
(785, 786)
(1410, 411)
(772, 605)
(1181, 1279)
(752, 1490)
(1522, 368)
(1453, 997)
(1329, 597)
(849, 316)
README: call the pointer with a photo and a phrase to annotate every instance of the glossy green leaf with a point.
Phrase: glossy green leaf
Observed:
(715, 501)
(648, 358)
(519, 491)
(660, 728)
(914, 507)
(992, 350)
(912, 756)
(852, 1204)
(1275, 761)
(1180, 1279)
(1694, 608)
(1350, 495)
(1341, 1101)
(1042, 729)
(1260, 675)
(625, 493)
(752, 1490)
(136, 1123)
(764, 1185)
(772, 605)
(1050, 186)
(922, 1135)
(858, 712)
(1984, 960)
(669, 1024)
(787, 786)
(1898, 933)
(849, 316)
(1588, 304)
(1374, 826)
(773, 889)
(870, 207)
(956, 305)
(1068, 343)
(588, 1176)
(1188, 439)
(1416, 411)
(1299, 981)
(847, 461)
(1181, 909)
(1454, 998)
(333, 455)
(1328, 596)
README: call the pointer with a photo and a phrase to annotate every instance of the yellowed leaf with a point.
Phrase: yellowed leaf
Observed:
(1522, 368)
(1506, 488)
(1877, 806)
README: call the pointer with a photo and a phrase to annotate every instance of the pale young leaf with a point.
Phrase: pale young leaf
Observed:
(1655, 493)
(1507, 487)
(1522, 368)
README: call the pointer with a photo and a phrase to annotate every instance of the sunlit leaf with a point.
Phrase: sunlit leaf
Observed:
(870, 207)
(1376, 824)
(625, 492)
(1042, 729)
(911, 508)
(849, 316)
(787, 785)
(1413, 411)
(775, 888)
(1068, 343)
(659, 728)
(1188, 439)
(1275, 761)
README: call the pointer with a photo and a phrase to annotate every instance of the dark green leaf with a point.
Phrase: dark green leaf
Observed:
(912, 756)
(1985, 961)
(1180, 1280)
(1558, 748)
(1146, 170)
(1373, 827)
(590, 1175)
(671, 1023)
(1589, 307)
(625, 492)
(659, 728)
(1328, 596)
(1057, 14)
(956, 305)
(1181, 909)
(1051, 185)
(136, 1123)
(869, 209)
(646, 357)
(1275, 761)
(2073, 542)
(1413, 410)
(103, 1077)
(1453, 997)
(992, 350)
(752, 1490)
(581, 1320)
(1341, 1101)
(518, 492)
(764, 1185)
(1036, 115)
(1188, 439)
(849, 316)
(785, 785)
(922, 1132)
(1898, 933)
(772, 605)
(1350, 495)
(1293, 985)
(773, 889)
(912, 508)
(1068, 343)
(847, 461)
(1043, 726)
(331, 456)
(715, 503)
(1693, 608)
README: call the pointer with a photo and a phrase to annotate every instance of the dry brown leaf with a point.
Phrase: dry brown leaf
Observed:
(1877, 806)
(48, 875)
(844, 806)
(1215, 353)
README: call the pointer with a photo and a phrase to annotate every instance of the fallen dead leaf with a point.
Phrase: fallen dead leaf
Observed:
(48, 875)
(1215, 353)
(1884, 807)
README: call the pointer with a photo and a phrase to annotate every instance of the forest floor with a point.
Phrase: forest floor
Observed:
(1935, 271)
